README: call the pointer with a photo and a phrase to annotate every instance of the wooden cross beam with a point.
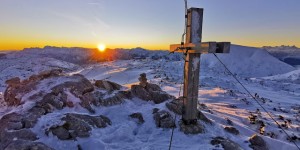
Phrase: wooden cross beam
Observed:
(193, 49)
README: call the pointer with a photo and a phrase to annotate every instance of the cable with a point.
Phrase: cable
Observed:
(182, 45)
(256, 100)
(171, 139)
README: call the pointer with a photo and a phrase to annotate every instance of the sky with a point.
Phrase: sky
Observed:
(151, 24)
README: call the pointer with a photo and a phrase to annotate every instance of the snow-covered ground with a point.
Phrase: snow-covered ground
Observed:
(221, 98)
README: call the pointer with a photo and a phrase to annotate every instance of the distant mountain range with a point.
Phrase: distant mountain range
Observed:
(288, 54)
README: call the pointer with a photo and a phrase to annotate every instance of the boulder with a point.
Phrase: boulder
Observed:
(79, 86)
(202, 117)
(116, 99)
(107, 85)
(27, 145)
(226, 143)
(11, 128)
(151, 92)
(163, 119)
(51, 101)
(232, 130)
(12, 121)
(31, 117)
(80, 89)
(17, 89)
(195, 128)
(138, 117)
(78, 125)
(176, 106)
(7, 137)
(258, 143)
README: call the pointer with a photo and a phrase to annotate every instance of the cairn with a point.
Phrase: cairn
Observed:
(143, 80)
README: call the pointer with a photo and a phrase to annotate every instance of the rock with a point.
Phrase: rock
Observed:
(77, 125)
(27, 145)
(17, 89)
(12, 121)
(32, 116)
(11, 128)
(62, 133)
(7, 137)
(226, 143)
(151, 92)
(51, 101)
(232, 130)
(258, 143)
(116, 99)
(163, 119)
(143, 80)
(13, 81)
(138, 118)
(79, 88)
(202, 117)
(191, 128)
(176, 106)
(155, 110)
(107, 85)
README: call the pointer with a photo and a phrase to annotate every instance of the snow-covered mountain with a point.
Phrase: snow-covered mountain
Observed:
(57, 110)
(288, 54)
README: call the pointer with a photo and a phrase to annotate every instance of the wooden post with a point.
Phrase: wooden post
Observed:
(193, 49)
(192, 66)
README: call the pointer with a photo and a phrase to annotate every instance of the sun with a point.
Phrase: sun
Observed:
(101, 47)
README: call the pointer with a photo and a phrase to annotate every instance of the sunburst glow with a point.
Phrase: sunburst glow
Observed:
(101, 47)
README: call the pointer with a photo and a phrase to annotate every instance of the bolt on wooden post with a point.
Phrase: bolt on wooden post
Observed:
(194, 48)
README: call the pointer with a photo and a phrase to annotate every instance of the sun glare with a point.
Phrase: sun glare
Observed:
(101, 47)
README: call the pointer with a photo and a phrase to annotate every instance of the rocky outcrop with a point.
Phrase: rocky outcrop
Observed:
(226, 143)
(176, 106)
(78, 85)
(12, 126)
(77, 125)
(163, 119)
(107, 85)
(115, 99)
(258, 143)
(27, 145)
(51, 91)
(80, 88)
(137, 117)
(17, 89)
(149, 92)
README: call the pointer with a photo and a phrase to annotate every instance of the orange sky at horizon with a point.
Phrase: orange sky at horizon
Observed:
(87, 23)
(14, 45)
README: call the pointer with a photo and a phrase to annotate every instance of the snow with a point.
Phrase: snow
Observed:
(248, 62)
(260, 72)
(293, 76)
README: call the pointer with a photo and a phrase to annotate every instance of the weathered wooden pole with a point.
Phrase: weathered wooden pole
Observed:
(193, 48)
(192, 66)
